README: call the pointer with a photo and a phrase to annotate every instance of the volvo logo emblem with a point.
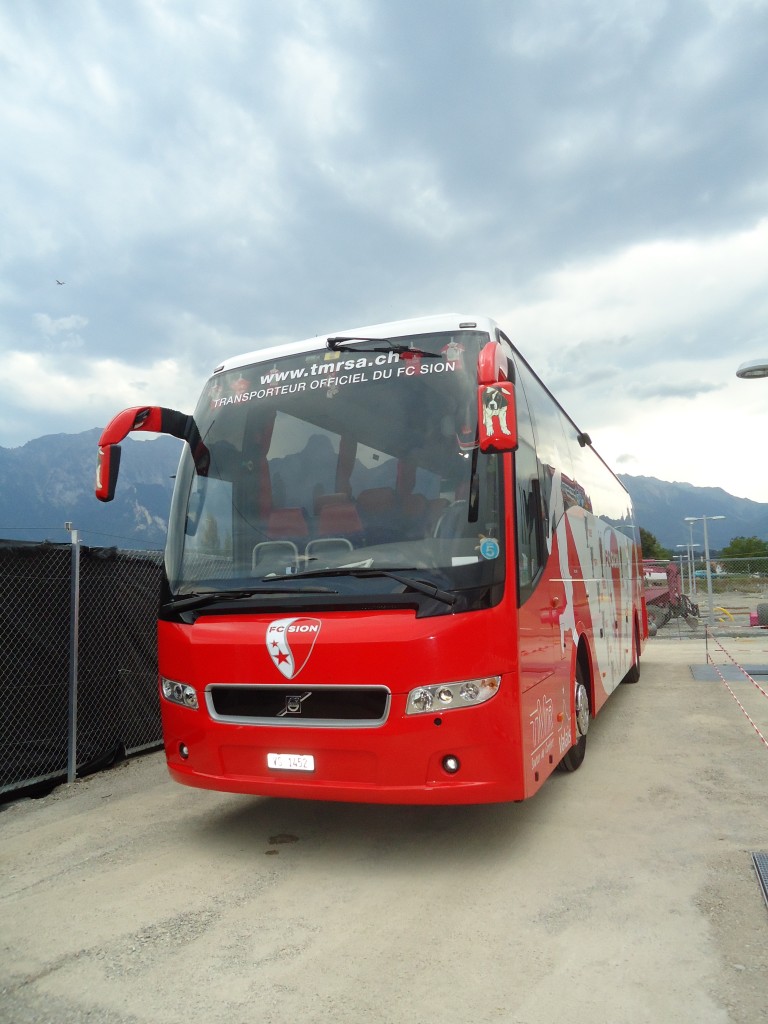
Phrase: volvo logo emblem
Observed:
(293, 705)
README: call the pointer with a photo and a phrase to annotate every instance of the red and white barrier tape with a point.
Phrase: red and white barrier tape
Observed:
(749, 677)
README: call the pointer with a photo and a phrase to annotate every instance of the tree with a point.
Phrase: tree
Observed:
(745, 547)
(651, 547)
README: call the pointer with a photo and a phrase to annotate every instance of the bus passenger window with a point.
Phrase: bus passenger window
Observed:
(528, 502)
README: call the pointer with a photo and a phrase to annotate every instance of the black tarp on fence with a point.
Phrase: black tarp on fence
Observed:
(115, 682)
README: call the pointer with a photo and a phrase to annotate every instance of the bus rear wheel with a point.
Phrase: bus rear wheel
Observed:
(575, 755)
(633, 676)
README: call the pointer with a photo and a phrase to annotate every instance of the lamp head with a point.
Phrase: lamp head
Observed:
(752, 369)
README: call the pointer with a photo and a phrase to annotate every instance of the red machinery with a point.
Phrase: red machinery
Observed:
(664, 597)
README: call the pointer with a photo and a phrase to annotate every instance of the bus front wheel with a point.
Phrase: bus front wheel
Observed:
(575, 755)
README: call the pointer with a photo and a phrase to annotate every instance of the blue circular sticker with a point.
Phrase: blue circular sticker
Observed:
(489, 548)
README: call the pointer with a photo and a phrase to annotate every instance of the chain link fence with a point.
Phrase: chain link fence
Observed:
(78, 659)
(683, 597)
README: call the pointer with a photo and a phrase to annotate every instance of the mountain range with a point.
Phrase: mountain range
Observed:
(48, 482)
(662, 507)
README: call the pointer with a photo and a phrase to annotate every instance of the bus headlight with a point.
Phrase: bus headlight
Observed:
(179, 693)
(420, 700)
(446, 696)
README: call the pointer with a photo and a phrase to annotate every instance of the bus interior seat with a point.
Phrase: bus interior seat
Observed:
(454, 522)
(376, 500)
(378, 511)
(415, 515)
(324, 550)
(287, 524)
(335, 498)
(340, 519)
(277, 556)
(435, 509)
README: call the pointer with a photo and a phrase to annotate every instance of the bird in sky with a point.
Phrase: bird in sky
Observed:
(60, 282)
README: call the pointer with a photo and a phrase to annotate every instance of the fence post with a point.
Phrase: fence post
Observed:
(74, 637)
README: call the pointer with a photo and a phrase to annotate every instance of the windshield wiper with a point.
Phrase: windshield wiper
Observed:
(341, 344)
(200, 600)
(422, 586)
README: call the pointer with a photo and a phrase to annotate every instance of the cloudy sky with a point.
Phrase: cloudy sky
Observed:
(211, 177)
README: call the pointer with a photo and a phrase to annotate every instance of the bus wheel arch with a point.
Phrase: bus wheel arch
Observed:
(582, 710)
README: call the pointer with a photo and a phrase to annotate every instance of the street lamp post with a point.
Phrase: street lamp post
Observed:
(681, 559)
(691, 546)
(703, 519)
(689, 561)
(689, 557)
(686, 579)
(692, 556)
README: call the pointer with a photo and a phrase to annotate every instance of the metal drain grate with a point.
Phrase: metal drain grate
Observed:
(732, 673)
(760, 860)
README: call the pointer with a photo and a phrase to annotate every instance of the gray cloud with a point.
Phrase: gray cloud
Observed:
(209, 179)
(676, 389)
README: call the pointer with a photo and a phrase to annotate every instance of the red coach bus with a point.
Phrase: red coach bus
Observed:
(396, 571)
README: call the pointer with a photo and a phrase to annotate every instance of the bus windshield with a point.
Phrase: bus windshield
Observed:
(352, 459)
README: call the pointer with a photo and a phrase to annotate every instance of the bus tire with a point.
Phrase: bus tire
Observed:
(575, 755)
(633, 676)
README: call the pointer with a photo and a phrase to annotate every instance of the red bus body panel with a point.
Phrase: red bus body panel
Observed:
(506, 747)
(397, 761)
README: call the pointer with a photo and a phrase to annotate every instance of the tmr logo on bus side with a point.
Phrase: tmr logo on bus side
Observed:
(290, 643)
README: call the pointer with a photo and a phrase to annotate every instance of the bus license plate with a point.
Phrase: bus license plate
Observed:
(291, 762)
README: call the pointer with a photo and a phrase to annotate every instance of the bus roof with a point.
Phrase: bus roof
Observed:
(393, 329)
(396, 329)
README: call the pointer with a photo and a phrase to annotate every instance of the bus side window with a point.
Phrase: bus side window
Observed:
(528, 502)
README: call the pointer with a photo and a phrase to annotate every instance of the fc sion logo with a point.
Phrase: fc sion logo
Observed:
(290, 643)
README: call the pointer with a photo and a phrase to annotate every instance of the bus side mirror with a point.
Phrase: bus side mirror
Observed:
(497, 417)
(496, 407)
(107, 468)
(144, 417)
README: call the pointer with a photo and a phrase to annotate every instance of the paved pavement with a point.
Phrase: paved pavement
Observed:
(622, 893)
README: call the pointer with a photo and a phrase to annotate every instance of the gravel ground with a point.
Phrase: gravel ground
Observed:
(623, 893)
